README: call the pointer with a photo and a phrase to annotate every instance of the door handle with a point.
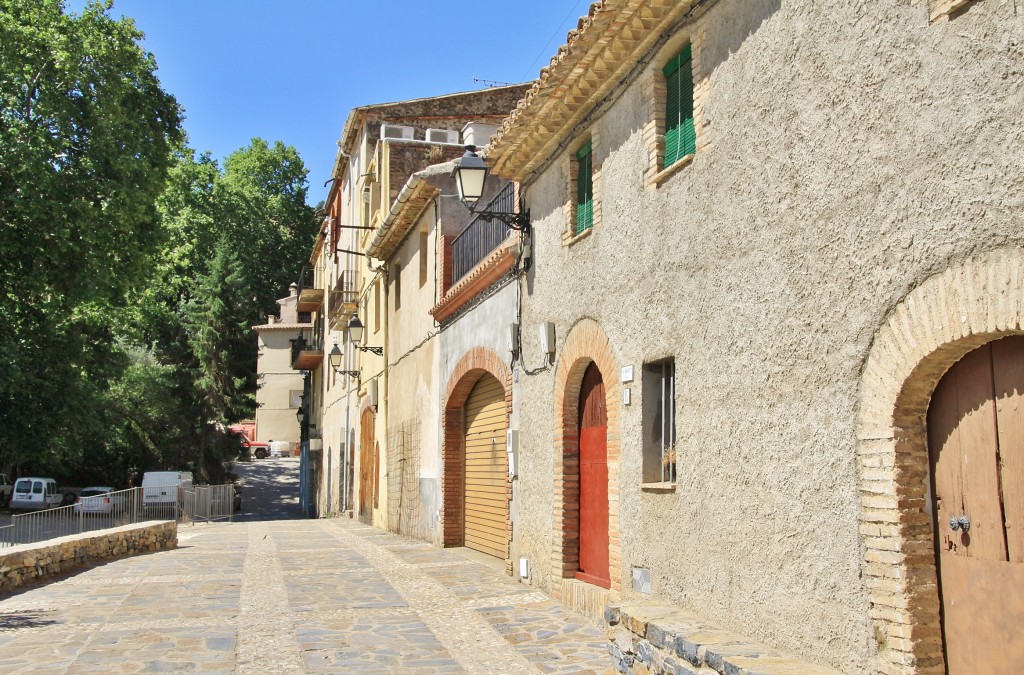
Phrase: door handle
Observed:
(961, 523)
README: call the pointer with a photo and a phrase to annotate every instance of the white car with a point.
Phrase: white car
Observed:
(35, 493)
(99, 500)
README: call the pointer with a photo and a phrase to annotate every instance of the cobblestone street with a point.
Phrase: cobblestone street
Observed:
(294, 596)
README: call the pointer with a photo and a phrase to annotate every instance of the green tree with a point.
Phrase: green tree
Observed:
(220, 335)
(262, 200)
(86, 134)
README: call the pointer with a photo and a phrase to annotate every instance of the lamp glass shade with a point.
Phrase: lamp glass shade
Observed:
(355, 329)
(300, 415)
(470, 177)
(335, 357)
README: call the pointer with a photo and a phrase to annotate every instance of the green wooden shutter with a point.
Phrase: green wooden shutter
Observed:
(584, 189)
(680, 133)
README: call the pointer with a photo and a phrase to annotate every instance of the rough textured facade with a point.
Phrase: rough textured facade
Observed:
(861, 155)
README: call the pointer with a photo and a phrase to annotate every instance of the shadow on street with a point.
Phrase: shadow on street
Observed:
(270, 489)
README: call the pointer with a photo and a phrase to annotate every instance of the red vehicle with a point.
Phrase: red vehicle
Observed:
(257, 450)
(245, 432)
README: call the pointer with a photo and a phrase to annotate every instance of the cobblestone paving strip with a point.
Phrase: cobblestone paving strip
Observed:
(266, 636)
(468, 639)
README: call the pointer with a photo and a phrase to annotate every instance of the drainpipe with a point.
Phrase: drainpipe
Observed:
(348, 453)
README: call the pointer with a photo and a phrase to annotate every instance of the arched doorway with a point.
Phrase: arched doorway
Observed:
(484, 367)
(593, 463)
(976, 451)
(945, 318)
(485, 500)
(367, 441)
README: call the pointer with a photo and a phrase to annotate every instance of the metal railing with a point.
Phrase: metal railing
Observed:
(482, 235)
(307, 279)
(113, 509)
(314, 344)
(344, 297)
(205, 503)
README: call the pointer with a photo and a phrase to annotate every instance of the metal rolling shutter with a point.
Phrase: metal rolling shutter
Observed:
(486, 505)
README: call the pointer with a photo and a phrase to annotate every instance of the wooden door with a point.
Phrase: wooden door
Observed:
(367, 441)
(486, 503)
(975, 437)
(593, 480)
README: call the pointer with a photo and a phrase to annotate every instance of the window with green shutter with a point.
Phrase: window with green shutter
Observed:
(584, 189)
(680, 135)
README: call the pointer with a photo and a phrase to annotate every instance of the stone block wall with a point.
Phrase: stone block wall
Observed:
(27, 563)
(649, 638)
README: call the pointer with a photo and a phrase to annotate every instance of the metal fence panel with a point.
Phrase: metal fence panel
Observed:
(114, 509)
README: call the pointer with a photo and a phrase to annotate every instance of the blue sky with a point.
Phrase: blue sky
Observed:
(291, 71)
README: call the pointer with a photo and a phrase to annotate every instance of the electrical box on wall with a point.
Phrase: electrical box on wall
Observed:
(512, 450)
(371, 391)
(547, 337)
(512, 338)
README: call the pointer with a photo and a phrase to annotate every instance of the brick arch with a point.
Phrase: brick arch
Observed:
(585, 343)
(473, 365)
(947, 316)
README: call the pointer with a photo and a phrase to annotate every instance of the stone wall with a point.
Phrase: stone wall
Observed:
(650, 638)
(27, 563)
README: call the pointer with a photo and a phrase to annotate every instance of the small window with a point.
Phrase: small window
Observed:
(584, 189)
(295, 398)
(680, 132)
(424, 243)
(659, 420)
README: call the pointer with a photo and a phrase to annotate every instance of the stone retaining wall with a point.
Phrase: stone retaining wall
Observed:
(655, 639)
(27, 563)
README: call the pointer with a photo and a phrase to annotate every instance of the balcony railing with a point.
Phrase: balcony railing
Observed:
(307, 354)
(343, 300)
(311, 292)
(482, 236)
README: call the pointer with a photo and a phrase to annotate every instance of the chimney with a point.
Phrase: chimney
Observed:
(293, 289)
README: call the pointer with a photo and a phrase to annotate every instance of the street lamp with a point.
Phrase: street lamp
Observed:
(335, 358)
(355, 331)
(470, 177)
(300, 415)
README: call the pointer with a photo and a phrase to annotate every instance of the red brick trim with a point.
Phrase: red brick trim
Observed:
(490, 269)
(946, 317)
(585, 343)
(473, 365)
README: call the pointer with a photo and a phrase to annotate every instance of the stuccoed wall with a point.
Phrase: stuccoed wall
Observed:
(857, 150)
(413, 406)
(275, 418)
(481, 326)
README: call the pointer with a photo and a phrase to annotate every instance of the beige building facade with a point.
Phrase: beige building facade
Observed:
(751, 324)
(280, 387)
(380, 262)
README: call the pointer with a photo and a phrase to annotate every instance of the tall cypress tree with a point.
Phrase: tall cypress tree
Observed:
(217, 320)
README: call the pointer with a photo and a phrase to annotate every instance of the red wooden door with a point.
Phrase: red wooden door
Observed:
(593, 480)
(975, 438)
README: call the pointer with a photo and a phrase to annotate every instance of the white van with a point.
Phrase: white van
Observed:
(35, 493)
(160, 488)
